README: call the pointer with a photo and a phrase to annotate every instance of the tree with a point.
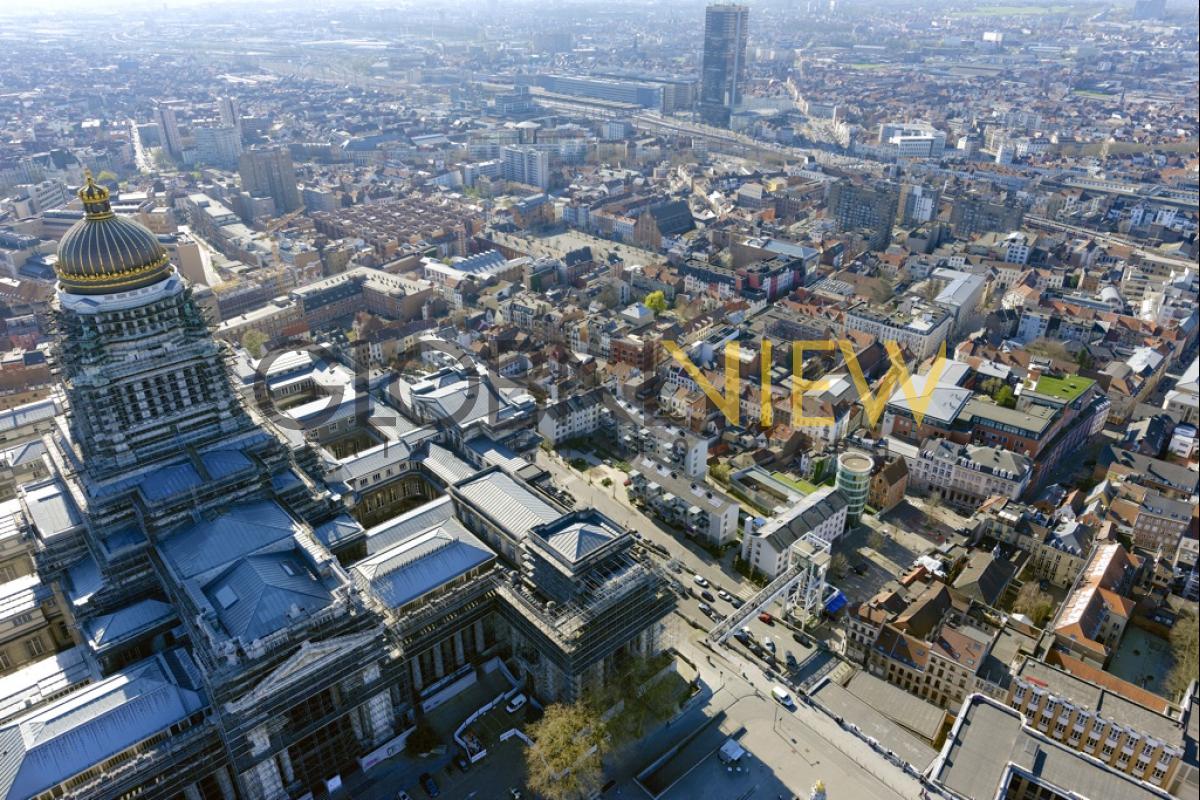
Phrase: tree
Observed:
(423, 739)
(876, 541)
(838, 565)
(719, 473)
(1185, 652)
(991, 386)
(569, 742)
(656, 302)
(609, 296)
(253, 342)
(1034, 603)
(1005, 397)
(105, 176)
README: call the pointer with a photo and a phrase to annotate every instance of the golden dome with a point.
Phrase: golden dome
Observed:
(105, 253)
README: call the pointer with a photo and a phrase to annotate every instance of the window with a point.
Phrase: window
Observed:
(35, 647)
(5, 661)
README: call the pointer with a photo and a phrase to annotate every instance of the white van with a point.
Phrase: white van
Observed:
(516, 704)
(782, 696)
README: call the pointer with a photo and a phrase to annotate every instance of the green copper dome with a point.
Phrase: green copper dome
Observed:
(104, 253)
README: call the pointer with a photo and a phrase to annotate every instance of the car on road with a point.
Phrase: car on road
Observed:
(700, 581)
(707, 595)
(517, 703)
(766, 618)
(429, 785)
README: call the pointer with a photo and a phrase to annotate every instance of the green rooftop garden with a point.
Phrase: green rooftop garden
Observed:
(1067, 388)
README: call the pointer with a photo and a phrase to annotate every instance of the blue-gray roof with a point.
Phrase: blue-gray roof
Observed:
(260, 594)
(57, 741)
(422, 563)
(509, 502)
(211, 543)
(111, 629)
(397, 529)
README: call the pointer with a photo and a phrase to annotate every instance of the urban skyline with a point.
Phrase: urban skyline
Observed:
(686, 400)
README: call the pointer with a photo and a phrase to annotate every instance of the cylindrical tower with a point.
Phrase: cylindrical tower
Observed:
(854, 482)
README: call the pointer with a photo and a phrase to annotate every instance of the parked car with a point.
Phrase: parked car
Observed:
(700, 581)
(783, 697)
(743, 635)
(791, 660)
(769, 643)
(462, 762)
(766, 618)
(514, 794)
(516, 703)
(736, 602)
(802, 639)
(707, 595)
(705, 609)
(724, 595)
(403, 795)
(429, 785)
(860, 568)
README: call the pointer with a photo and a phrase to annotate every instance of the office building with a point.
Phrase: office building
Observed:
(918, 204)
(971, 215)
(218, 146)
(230, 112)
(526, 164)
(168, 127)
(268, 172)
(724, 62)
(869, 210)
(854, 482)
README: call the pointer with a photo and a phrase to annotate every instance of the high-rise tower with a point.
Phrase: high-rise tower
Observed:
(268, 172)
(724, 65)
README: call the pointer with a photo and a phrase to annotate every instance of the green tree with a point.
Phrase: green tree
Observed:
(719, 473)
(1034, 603)
(253, 342)
(1185, 651)
(656, 302)
(991, 386)
(839, 565)
(1005, 397)
(105, 176)
(564, 762)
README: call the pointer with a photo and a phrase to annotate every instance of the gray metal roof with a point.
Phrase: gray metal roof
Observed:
(51, 744)
(110, 629)
(989, 740)
(242, 529)
(262, 593)
(445, 464)
(513, 506)
(385, 534)
(51, 509)
(33, 683)
(421, 563)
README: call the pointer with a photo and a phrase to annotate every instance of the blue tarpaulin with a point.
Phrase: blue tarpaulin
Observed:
(835, 603)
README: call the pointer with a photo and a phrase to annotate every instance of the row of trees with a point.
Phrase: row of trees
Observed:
(570, 741)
